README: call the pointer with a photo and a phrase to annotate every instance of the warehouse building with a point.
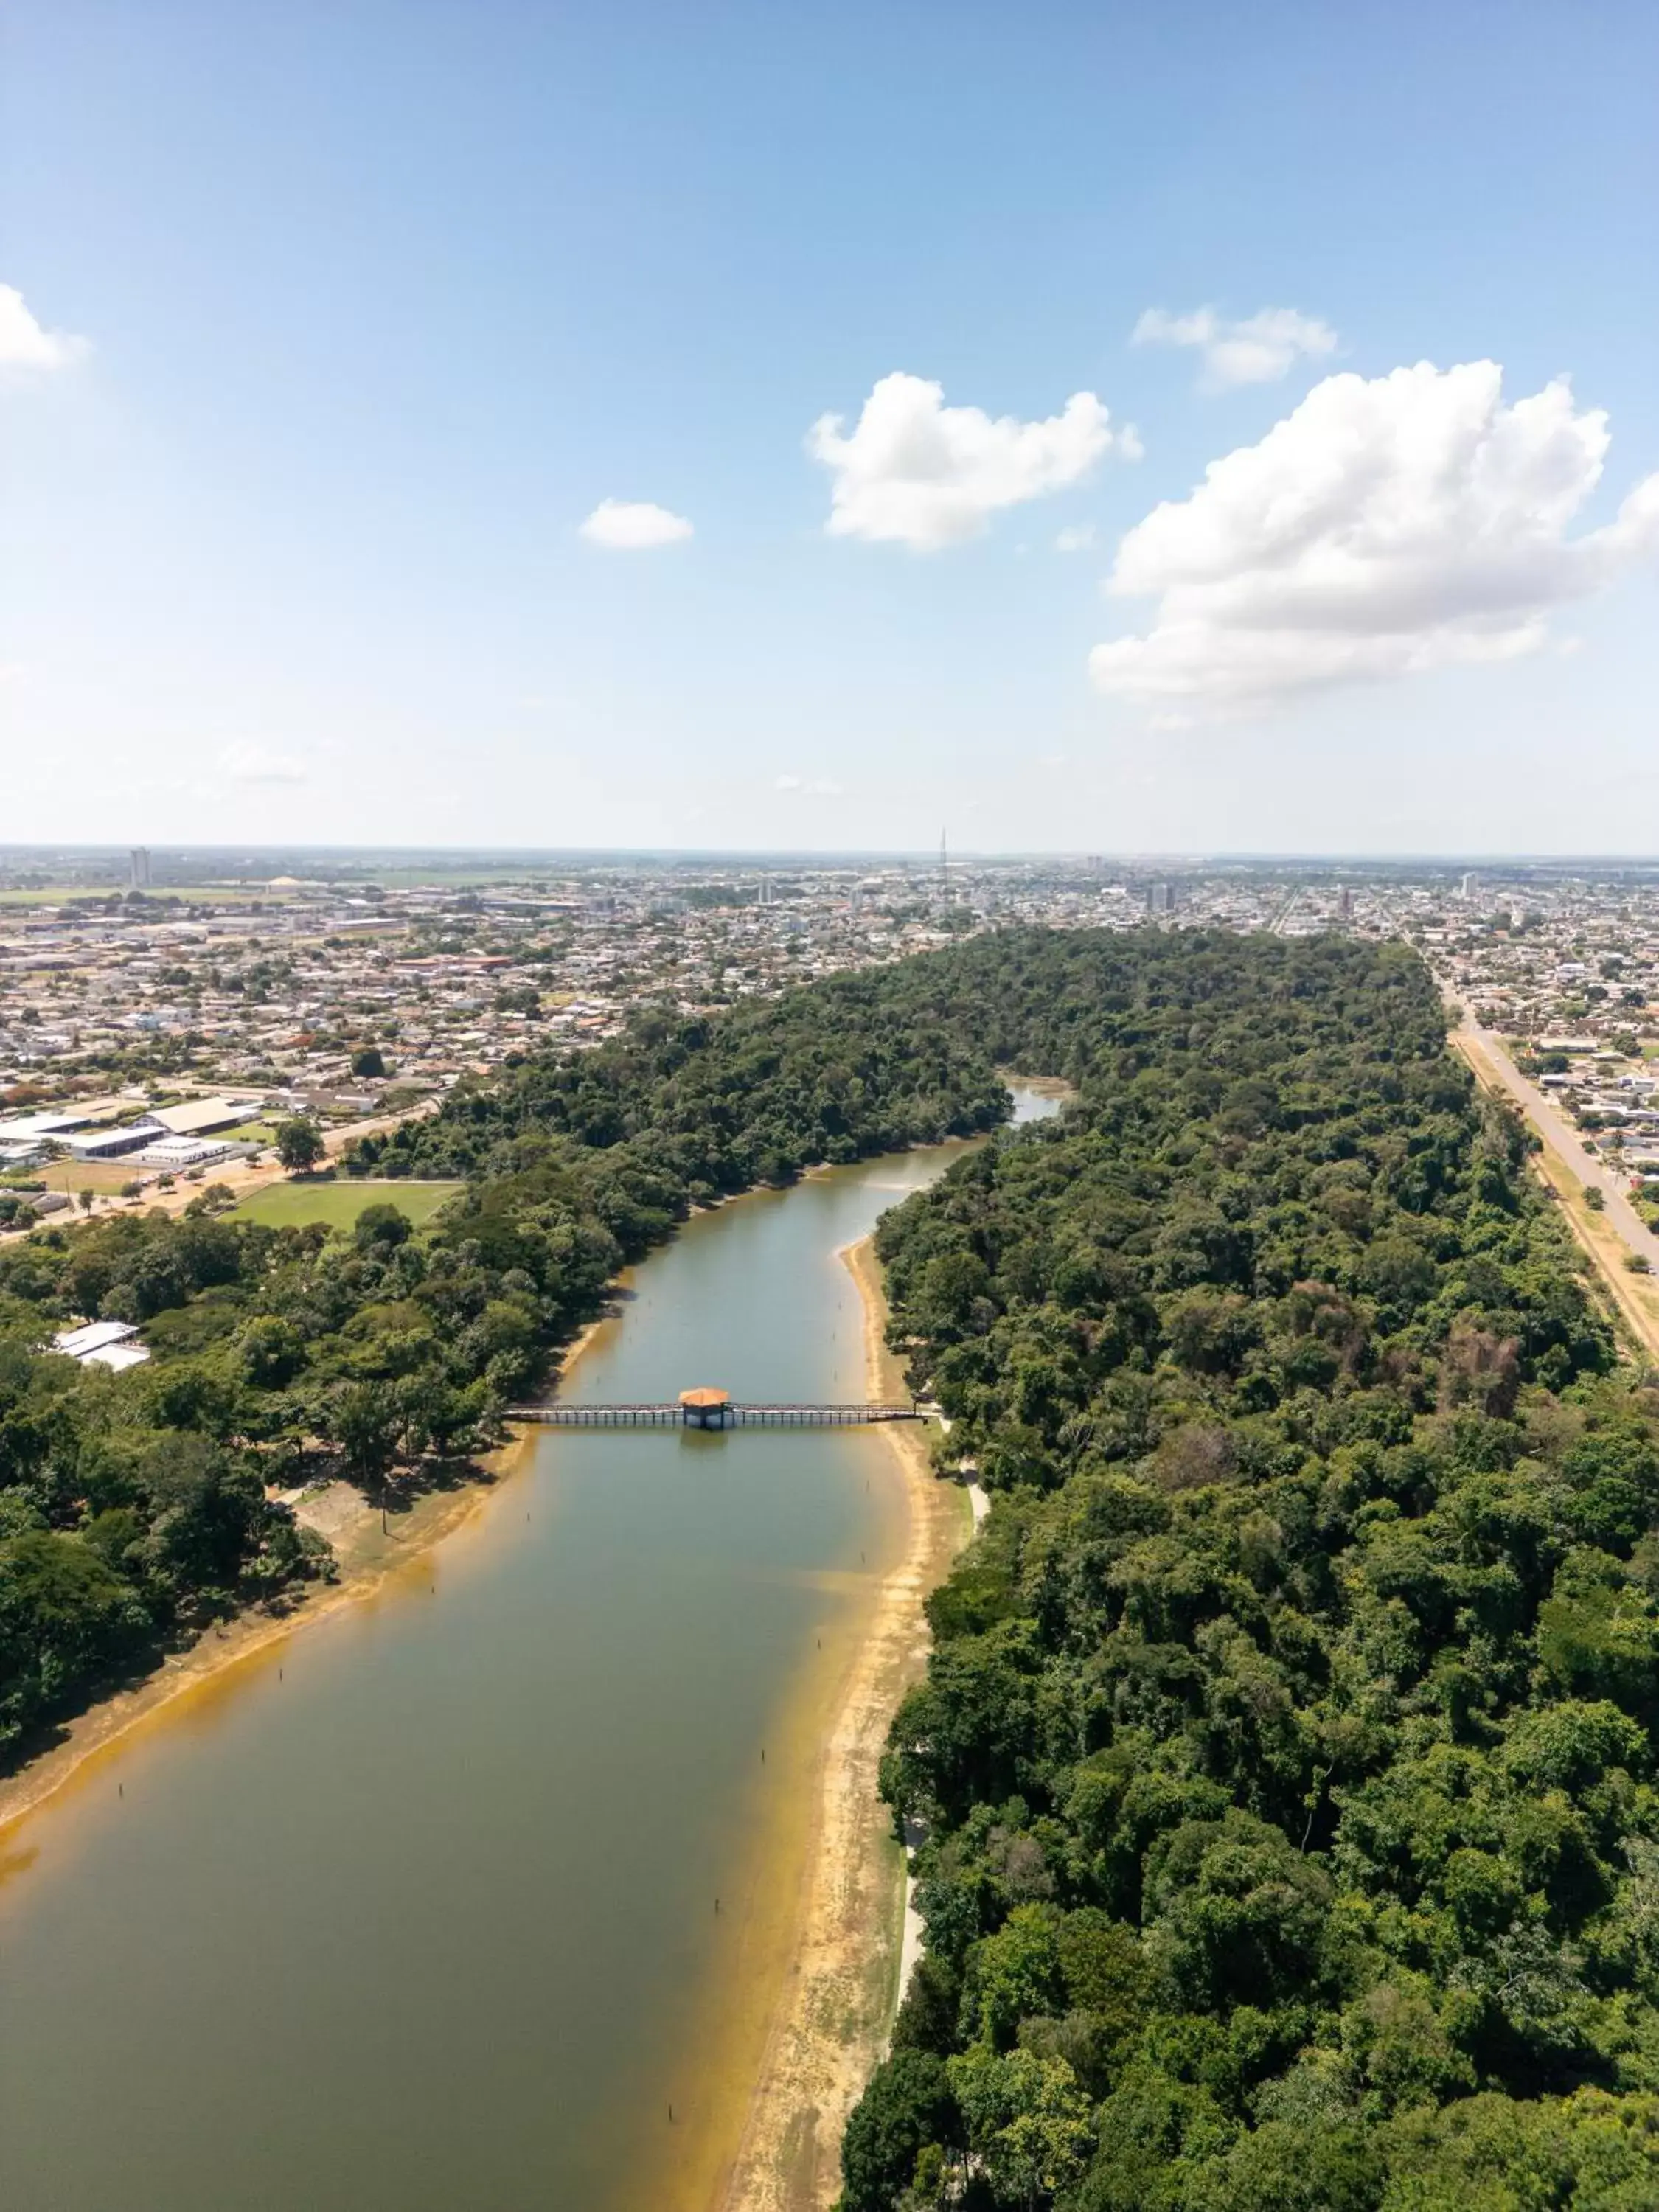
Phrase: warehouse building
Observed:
(114, 1144)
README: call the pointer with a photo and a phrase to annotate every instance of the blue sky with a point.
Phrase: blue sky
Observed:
(377, 303)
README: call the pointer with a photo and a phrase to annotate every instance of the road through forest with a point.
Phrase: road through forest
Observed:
(1610, 1236)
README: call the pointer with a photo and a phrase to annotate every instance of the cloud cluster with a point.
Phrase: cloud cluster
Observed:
(808, 787)
(1258, 350)
(916, 472)
(1406, 522)
(245, 762)
(633, 525)
(23, 342)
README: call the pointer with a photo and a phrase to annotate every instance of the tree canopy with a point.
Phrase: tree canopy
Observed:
(136, 1506)
(1286, 1757)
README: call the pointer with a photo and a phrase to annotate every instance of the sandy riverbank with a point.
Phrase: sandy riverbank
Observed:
(1041, 1086)
(367, 1560)
(834, 2007)
(806, 2017)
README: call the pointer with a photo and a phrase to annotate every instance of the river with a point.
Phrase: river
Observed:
(416, 1911)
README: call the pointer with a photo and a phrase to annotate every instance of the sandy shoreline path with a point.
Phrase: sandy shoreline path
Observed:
(835, 2007)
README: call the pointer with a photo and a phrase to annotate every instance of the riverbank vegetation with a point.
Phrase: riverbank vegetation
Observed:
(1285, 1758)
(1286, 1755)
(135, 1507)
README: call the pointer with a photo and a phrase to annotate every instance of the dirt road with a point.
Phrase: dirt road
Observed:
(237, 1176)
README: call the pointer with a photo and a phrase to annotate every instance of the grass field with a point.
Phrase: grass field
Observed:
(288, 1205)
(105, 1175)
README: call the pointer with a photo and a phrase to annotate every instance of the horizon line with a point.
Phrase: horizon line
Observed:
(1184, 856)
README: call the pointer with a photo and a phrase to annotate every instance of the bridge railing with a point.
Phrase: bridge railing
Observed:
(575, 1414)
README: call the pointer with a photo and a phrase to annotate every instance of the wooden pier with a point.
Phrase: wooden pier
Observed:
(729, 1415)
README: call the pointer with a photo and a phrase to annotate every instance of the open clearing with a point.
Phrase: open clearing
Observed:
(288, 1204)
(104, 1176)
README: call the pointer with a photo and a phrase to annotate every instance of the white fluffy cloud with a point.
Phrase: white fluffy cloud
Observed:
(918, 473)
(1258, 350)
(247, 762)
(1384, 527)
(25, 344)
(809, 787)
(626, 525)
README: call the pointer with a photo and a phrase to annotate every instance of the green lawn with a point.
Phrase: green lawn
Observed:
(286, 1205)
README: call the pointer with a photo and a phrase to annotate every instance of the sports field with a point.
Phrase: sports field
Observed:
(288, 1205)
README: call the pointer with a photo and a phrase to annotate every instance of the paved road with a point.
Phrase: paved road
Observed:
(1570, 1163)
(1487, 1052)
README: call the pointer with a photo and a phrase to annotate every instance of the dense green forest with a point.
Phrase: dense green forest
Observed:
(833, 1072)
(1286, 1760)
(134, 1506)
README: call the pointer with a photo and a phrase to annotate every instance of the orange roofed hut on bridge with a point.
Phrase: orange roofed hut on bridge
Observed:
(704, 1408)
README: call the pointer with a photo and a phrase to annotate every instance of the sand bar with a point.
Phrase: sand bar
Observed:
(833, 2010)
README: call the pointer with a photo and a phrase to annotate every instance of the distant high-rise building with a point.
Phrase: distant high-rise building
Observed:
(138, 859)
(1160, 897)
(1344, 903)
(1470, 886)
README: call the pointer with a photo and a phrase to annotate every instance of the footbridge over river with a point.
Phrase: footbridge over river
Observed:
(715, 1409)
